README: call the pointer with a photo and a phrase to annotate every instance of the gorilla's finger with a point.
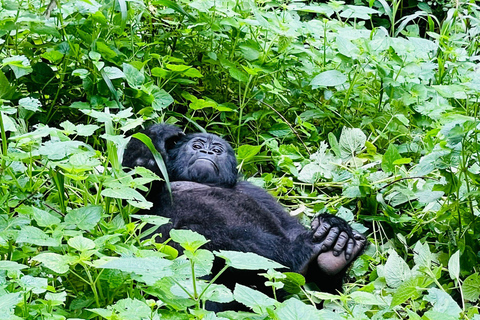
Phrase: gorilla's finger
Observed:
(331, 238)
(321, 231)
(340, 244)
(315, 223)
(349, 249)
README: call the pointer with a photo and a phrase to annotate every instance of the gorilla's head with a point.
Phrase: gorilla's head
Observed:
(203, 158)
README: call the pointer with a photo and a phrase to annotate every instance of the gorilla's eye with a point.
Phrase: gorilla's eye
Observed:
(217, 150)
(196, 146)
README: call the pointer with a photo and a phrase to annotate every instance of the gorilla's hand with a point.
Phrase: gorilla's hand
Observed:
(332, 237)
(163, 137)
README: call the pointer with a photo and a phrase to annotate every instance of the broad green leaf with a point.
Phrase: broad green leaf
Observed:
(352, 141)
(396, 270)
(30, 104)
(247, 260)
(11, 266)
(20, 65)
(253, 299)
(410, 289)
(294, 309)
(134, 78)
(280, 130)
(33, 235)
(188, 239)
(85, 218)
(471, 287)
(80, 243)
(43, 218)
(149, 269)
(8, 301)
(246, 152)
(35, 284)
(442, 302)
(422, 255)
(54, 261)
(203, 260)
(114, 73)
(330, 78)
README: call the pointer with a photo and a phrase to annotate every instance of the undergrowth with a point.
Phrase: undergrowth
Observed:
(348, 109)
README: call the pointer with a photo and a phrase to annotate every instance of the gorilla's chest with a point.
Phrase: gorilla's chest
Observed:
(216, 207)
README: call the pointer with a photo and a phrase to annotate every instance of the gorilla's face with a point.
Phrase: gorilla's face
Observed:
(203, 158)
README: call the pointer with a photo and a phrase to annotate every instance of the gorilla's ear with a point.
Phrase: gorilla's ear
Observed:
(163, 136)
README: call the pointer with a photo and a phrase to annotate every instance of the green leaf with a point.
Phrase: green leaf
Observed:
(247, 260)
(246, 152)
(85, 218)
(134, 78)
(8, 301)
(151, 219)
(54, 261)
(188, 239)
(253, 299)
(454, 266)
(442, 302)
(396, 270)
(390, 156)
(80, 243)
(280, 130)
(33, 235)
(367, 298)
(43, 218)
(20, 65)
(30, 104)
(294, 309)
(471, 288)
(410, 289)
(35, 284)
(11, 266)
(150, 269)
(352, 141)
(330, 78)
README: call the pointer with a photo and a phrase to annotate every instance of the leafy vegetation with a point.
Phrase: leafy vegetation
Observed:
(344, 108)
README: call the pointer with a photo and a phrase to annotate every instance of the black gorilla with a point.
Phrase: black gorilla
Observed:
(236, 215)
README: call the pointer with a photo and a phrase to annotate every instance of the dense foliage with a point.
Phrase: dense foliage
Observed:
(352, 109)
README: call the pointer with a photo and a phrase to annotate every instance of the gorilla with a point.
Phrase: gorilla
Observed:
(208, 198)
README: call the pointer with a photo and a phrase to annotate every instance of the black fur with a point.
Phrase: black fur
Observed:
(236, 215)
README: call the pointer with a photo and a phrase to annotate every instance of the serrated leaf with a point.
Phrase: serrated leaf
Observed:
(396, 270)
(253, 299)
(188, 239)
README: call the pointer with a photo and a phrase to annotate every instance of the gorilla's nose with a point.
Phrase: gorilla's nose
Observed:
(206, 151)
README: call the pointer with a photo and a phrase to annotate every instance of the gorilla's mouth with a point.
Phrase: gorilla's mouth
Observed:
(205, 162)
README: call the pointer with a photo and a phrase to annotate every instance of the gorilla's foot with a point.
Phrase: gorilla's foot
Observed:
(331, 264)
